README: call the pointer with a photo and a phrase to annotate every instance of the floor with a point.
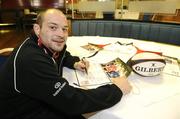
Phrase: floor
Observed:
(10, 37)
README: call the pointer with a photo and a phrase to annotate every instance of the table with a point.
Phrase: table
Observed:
(152, 97)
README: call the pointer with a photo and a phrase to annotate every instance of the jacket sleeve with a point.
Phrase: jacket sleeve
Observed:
(69, 60)
(40, 81)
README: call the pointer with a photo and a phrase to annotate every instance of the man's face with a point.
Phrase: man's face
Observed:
(54, 31)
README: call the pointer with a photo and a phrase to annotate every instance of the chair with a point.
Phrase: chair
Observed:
(147, 17)
(99, 15)
(28, 19)
(126, 14)
(131, 15)
(4, 53)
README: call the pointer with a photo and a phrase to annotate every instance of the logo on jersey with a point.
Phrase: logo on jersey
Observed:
(59, 87)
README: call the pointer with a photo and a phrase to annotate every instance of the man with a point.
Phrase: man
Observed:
(31, 82)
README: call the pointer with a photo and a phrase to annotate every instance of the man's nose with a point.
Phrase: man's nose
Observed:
(61, 32)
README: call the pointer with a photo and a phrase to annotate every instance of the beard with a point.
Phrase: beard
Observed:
(57, 46)
(55, 43)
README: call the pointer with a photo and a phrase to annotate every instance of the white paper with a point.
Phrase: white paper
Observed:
(172, 66)
(95, 76)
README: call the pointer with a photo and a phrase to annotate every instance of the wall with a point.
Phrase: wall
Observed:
(178, 5)
(93, 6)
(166, 6)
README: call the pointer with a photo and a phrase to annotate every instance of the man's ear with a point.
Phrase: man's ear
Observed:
(36, 29)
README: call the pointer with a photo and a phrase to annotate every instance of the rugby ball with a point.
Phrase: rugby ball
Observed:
(147, 64)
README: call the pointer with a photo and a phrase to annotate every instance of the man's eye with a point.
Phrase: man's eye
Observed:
(65, 29)
(53, 27)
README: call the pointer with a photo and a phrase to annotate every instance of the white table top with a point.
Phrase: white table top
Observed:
(152, 97)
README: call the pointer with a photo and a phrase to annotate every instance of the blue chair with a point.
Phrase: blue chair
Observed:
(4, 57)
(2, 60)
(147, 16)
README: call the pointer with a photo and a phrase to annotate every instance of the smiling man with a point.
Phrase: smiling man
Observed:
(31, 82)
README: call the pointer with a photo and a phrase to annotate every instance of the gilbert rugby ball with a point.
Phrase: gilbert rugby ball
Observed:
(147, 64)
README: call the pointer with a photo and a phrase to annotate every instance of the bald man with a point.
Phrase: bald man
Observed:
(31, 82)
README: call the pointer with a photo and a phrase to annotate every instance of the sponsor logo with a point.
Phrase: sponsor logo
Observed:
(59, 87)
(147, 69)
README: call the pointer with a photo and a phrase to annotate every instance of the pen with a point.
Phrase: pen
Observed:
(76, 84)
(84, 64)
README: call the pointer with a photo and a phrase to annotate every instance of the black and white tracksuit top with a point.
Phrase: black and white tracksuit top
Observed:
(32, 86)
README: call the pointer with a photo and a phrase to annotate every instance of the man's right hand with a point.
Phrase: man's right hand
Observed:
(123, 84)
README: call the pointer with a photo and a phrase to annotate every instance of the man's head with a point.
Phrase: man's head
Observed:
(52, 29)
